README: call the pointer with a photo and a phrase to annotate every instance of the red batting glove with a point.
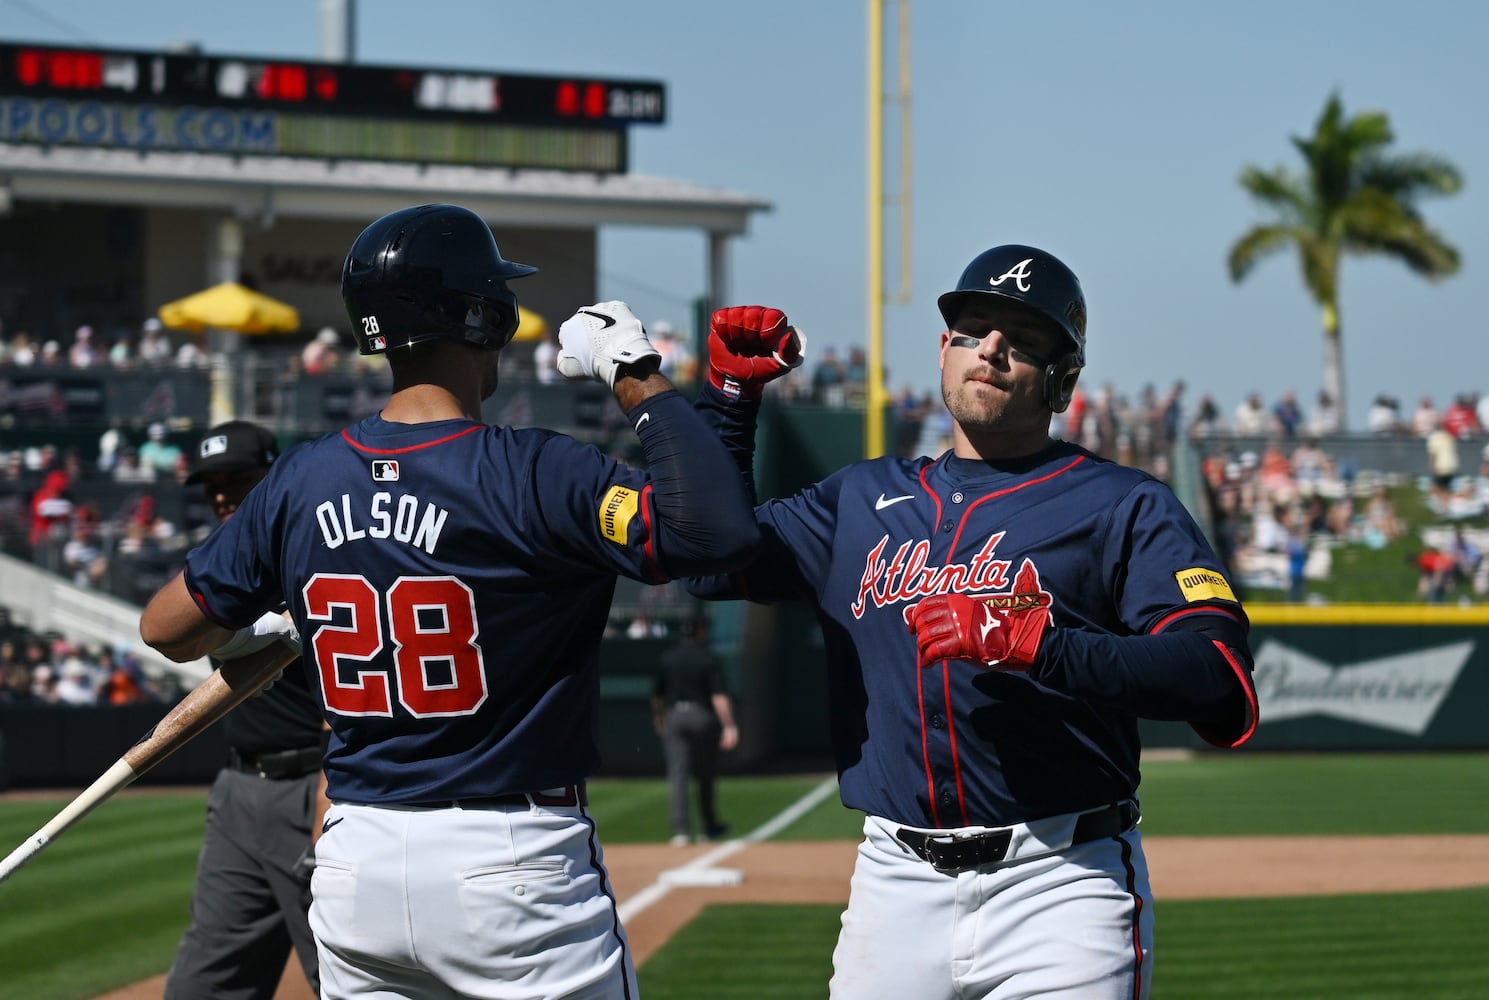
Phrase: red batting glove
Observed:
(958, 627)
(749, 346)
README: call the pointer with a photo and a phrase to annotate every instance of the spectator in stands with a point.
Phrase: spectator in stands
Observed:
(83, 557)
(1434, 574)
(1269, 528)
(84, 352)
(1311, 465)
(1296, 547)
(1481, 411)
(51, 355)
(190, 355)
(1442, 464)
(1465, 554)
(1459, 419)
(1382, 524)
(22, 351)
(51, 508)
(323, 354)
(15, 675)
(1251, 416)
(121, 352)
(856, 373)
(1207, 422)
(1326, 417)
(828, 378)
(44, 683)
(159, 453)
(545, 358)
(127, 468)
(125, 683)
(155, 345)
(1425, 418)
(677, 360)
(1384, 418)
(910, 412)
(75, 685)
(1288, 414)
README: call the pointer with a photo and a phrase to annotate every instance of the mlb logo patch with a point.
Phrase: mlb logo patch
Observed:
(378, 343)
(384, 471)
(215, 445)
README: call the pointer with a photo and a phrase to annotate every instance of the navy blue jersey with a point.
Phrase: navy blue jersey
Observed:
(450, 582)
(1108, 549)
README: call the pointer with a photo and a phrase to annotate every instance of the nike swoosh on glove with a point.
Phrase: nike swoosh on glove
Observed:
(598, 339)
(749, 346)
(958, 627)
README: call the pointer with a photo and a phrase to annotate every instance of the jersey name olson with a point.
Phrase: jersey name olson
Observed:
(405, 519)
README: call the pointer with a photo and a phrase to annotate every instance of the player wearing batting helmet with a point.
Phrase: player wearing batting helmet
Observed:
(451, 581)
(997, 620)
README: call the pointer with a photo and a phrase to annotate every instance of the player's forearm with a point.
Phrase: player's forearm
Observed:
(704, 520)
(734, 421)
(1188, 676)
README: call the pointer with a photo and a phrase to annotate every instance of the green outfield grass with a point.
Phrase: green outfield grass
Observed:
(1425, 946)
(105, 905)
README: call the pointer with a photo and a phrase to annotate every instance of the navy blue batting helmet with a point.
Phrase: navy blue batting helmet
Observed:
(431, 272)
(1036, 281)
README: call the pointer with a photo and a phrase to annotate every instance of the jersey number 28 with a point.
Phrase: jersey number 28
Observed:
(437, 668)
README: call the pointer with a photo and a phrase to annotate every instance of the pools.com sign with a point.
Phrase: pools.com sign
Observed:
(1386, 687)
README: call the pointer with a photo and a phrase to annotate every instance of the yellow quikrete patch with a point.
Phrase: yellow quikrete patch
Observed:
(616, 510)
(1199, 584)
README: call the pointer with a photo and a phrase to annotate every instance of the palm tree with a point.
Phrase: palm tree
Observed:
(1353, 198)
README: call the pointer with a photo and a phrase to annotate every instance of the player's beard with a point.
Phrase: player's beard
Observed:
(1003, 415)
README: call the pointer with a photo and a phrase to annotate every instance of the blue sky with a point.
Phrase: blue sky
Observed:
(1109, 134)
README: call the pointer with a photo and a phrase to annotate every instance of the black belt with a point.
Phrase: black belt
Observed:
(278, 763)
(569, 795)
(958, 854)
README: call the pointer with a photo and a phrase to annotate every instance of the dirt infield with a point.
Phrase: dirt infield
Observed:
(1180, 868)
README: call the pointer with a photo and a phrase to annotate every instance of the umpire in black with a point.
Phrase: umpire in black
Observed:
(692, 713)
(252, 893)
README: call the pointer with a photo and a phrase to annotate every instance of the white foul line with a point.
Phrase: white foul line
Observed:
(658, 889)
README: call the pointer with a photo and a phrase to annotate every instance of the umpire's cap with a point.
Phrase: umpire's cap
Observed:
(233, 447)
(1031, 277)
(431, 272)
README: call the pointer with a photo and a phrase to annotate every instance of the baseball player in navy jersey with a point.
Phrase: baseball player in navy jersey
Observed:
(450, 582)
(996, 621)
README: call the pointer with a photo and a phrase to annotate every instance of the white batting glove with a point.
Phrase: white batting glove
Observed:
(272, 627)
(598, 339)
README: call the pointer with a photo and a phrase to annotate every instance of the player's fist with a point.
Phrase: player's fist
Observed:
(958, 627)
(749, 346)
(598, 339)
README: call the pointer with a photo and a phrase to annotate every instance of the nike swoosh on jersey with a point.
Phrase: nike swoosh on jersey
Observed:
(609, 321)
(881, 503)
(644, 418)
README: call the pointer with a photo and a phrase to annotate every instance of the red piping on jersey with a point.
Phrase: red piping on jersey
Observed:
(1203, 609)
(956, 763)
(413, 447)
(956, 768)
(925, 748)
(1235, 667)
(1137, 920)
(650, 548)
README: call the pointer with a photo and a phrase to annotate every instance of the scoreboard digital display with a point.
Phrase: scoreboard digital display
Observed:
(252, 106)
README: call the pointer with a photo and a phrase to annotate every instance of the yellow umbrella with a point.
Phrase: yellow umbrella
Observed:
(530, 326)
(231, 306)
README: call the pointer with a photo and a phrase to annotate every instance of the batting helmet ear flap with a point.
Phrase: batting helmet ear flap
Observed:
(1059, 384)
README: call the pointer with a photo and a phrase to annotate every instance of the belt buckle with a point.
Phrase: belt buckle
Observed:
(951, 855)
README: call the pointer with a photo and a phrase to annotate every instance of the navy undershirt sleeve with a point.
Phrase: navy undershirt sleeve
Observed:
(705, 520)
(734, 421)
(1189, 672)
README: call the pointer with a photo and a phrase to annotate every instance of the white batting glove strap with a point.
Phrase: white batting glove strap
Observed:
(598, 339)
(271, 627)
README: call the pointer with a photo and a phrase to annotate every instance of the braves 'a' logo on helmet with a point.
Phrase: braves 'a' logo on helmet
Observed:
(1018, 272)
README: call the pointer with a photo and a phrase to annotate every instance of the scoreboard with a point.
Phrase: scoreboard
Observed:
(250, 105)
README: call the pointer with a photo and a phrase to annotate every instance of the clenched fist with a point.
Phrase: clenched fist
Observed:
(749, 346)
(958, 627)
(597, 340)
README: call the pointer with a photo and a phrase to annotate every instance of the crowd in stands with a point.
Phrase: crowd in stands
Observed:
(50, 670)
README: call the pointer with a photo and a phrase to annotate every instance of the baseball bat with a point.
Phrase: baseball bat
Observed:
(209, 701)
